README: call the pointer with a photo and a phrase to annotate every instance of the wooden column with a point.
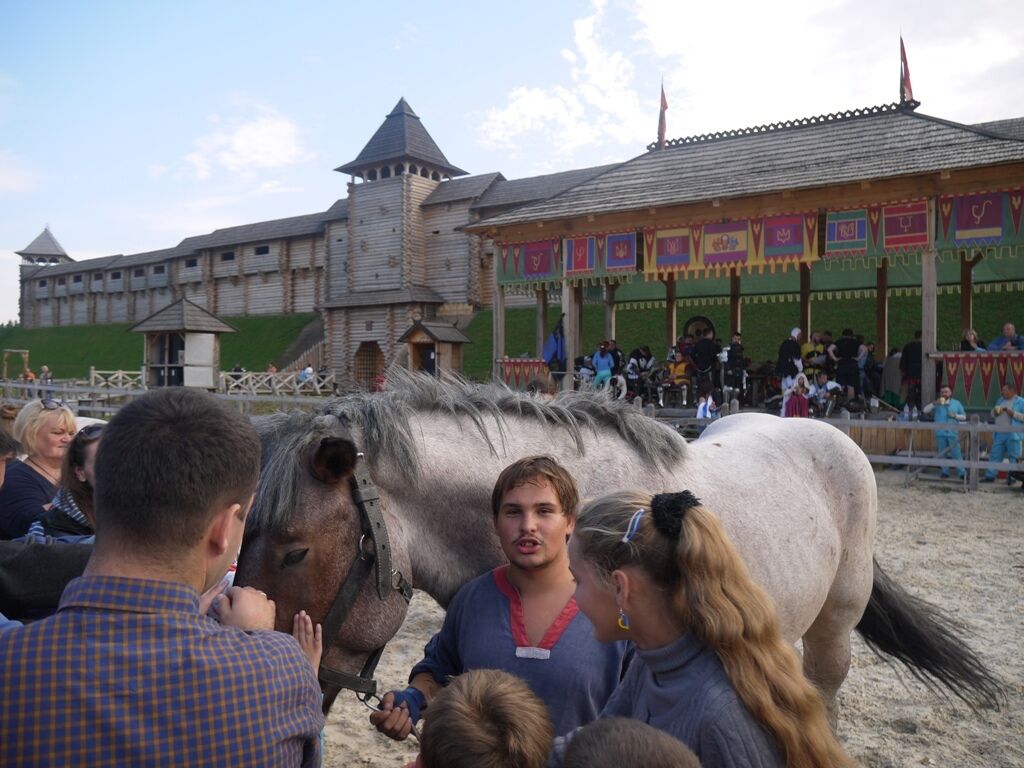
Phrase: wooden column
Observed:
(734, 302)
(929, 310)
(882, 310)
(570, 321)
(542, 319)
(670, 311)
(609, 310)
(967, 265)
(578, 306)
(498, 325)
(805, 300)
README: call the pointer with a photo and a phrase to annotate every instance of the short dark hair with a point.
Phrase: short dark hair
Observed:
(166, 461)
(612, 742)
(74, 458)
(8, 445)
(531, 470)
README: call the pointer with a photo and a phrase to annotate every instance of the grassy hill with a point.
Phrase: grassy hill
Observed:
(764, 325)
(70, 350)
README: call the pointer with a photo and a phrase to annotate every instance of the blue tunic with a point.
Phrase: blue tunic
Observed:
(569, 670)
(683, 690)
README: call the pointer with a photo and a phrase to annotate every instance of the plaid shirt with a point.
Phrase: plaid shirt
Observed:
(128, 673)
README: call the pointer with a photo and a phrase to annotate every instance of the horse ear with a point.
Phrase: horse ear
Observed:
(333, 460)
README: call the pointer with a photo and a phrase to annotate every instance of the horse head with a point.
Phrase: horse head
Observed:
(320, 540)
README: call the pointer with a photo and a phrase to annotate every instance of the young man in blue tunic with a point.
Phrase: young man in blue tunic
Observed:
(522, 617)
(947, 409)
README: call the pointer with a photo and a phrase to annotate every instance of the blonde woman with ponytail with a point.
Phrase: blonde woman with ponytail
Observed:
(711, 667)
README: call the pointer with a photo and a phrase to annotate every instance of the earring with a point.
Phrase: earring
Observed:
(623, 621)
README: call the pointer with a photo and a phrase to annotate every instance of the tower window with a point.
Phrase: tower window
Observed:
(190, 263)
(227, 256)
(158, 269)
(42, 283)
(115, 275)
(76, 279)
(97, 276)
(262, 250)
(61, 281)
(139, 273)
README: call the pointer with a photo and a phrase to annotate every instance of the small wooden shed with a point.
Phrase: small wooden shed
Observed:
(182, 346)
(434, 347)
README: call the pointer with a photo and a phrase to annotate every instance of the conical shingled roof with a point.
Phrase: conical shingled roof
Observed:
(44, 245)
(401, 137)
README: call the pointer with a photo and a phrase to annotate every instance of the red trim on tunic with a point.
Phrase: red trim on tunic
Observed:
(517, 621)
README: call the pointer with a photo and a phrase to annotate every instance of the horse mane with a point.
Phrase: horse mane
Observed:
(387, 434)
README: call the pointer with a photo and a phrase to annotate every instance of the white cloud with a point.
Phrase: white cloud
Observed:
(15, 175)
(243, 146)
(600, 105)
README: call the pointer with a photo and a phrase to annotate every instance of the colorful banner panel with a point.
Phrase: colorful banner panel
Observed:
(846, 233)
(520, 372)
(981, 220)
(538, 261)
(905, 226)
(725, 244)
(666, 250)
(783, 238)
(977, 377)
(580, 256)
(620, 252)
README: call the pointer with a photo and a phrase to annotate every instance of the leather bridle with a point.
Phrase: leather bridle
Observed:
(374, 555)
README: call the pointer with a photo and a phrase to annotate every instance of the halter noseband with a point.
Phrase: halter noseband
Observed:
(374, 555)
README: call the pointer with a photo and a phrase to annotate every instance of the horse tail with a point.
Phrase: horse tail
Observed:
(922, 638)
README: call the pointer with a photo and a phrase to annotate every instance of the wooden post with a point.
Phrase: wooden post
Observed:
(929, 311)
(609, 310)
(973, 452)
(734, 301)
(967, 264)
(569, 323)
(882, 310)
(578, 307)
(542, 319)
(498, 324)
(670, 311)
(805, 300)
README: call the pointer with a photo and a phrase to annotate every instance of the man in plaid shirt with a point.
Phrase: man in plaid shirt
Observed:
(128, 672)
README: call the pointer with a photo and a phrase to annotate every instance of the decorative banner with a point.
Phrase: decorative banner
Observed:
(846, 233)
(540, 257)
(666, 250)
(533, 262)
(1016, 206)
(784, 238)
(987, 366)
(697, 237)
(905, 226)
(952, 368)
(756, 230)
(1017, 367)
(725, 243)
(1001, 364)
(979, 219)
(620, 252)
(875, 225)
(970, 366)
(580, 256)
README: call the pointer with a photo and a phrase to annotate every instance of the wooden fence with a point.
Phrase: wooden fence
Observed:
(288, 383)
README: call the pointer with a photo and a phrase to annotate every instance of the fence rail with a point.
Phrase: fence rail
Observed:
(293, 383)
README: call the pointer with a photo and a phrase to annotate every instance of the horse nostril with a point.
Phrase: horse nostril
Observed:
(294, 557)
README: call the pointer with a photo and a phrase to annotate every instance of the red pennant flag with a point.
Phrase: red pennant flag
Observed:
(987, 367)
(661, 118)
(906, 92)
(1017, 366)
(970, 366)
(952, 368)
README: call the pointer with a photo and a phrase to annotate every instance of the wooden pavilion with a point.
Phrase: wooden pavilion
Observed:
(871, 201)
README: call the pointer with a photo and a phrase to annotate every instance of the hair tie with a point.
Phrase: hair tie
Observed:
(633, 527)
(668, 509)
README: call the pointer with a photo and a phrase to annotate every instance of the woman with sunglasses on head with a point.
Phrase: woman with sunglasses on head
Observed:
(44, 428)
(712, 668)
(71, 511)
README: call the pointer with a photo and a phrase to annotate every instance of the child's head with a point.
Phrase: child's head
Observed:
(486, 718)
(613, 742)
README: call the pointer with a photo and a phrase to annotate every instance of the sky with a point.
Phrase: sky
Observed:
(127, 126)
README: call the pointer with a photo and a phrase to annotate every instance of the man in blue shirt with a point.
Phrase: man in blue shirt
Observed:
(1008, 412)
(521, 618)
(128, 671)
(604, 363)
(1009, 341)
(947, 410)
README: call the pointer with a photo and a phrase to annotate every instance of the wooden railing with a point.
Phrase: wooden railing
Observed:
(314, 355)
(117, 379)
(288, 383)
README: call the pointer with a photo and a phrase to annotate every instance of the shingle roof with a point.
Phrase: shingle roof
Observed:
(466, 188)
(1012, 128)
(415, 294)
(401, 137)
(44, 245)
(293, 226)
(528, 190)
(338, 211)
(442, 332)
(182, 315)
(881, 142)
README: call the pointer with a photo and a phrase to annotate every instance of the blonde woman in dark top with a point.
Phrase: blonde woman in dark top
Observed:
(712, 668)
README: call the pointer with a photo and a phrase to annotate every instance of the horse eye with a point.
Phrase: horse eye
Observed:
(294, 557)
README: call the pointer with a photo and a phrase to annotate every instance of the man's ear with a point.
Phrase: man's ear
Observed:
(218, 534)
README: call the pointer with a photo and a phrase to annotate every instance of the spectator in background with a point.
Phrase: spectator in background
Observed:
(619, 368)
(706, 406)
(844, 354)
(789, 364)
(705, 359)
(603, 363)
(813, 353)
(639, 369)
(306, 373)
(827, 363)
(892, 378)
(1008, 412)
(736, 364)
(797, 398)
(947, 410)
(910, 367)
(823, 393)
(684, 345)
(44, 428)
(1009, 340)
(71, 513)
(677, 378)
(970, 342)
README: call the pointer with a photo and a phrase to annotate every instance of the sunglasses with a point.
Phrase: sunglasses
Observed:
(90, 432)
(53, 405)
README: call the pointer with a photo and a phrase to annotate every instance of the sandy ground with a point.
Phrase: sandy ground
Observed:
(964, 552)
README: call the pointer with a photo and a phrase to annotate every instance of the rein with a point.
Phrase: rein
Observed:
(374, 556)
